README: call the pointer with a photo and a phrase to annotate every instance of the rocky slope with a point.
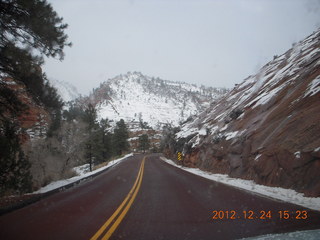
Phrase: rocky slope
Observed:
(267, 128)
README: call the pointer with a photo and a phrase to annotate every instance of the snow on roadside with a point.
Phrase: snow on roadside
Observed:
(83, 173)
(286, 195)
(299, 235)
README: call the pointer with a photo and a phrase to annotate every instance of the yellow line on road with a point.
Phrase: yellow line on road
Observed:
(130, 197)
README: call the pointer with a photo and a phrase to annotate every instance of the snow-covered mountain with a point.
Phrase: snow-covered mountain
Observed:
(67, 91)
(135, 97)
(267, 128)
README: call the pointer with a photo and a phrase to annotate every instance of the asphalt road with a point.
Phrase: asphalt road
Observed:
(150, 199)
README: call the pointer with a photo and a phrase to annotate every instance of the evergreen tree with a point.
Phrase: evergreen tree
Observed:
(144, 143)
(14, 165)
(73, 113)
(90, 117)
(95, 146)
(32, 24)
(97, 137)
(106, 138)
(120, 138)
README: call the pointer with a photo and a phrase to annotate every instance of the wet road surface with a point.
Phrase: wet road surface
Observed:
(145, 198)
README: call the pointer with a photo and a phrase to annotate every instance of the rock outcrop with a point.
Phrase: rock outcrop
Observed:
(267, 128)
(35, 120)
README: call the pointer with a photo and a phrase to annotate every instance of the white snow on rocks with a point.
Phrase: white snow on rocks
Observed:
(257, 157)
(313, 87)
(231, 135)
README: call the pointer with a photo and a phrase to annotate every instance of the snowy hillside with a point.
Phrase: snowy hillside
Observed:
(67, 91)
(287, 70)
(135, 97)
(267, 127)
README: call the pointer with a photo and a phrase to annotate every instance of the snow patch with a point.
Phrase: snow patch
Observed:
(219, 116)
(231, 135)
(257, 157)
(313, 87)
(266, 96)
(83, 172)
(185, 132)
(203, 132)
(224, 128)
(214, 129)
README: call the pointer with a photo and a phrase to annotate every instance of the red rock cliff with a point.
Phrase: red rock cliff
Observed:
(267, 128)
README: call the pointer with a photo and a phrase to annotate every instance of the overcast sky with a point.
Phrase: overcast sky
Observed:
(209, 42)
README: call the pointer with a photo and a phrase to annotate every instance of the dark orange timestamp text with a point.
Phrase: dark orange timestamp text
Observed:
(261, 215)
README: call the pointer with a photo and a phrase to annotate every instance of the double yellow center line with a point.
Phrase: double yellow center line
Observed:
(104, 232)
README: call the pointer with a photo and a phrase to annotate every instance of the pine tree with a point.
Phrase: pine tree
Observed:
(120, 138)
(73, 113)
(106, 138)
(15, 174)
(90, 117)
(32, 24)
(144, 143)
(95, 146)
